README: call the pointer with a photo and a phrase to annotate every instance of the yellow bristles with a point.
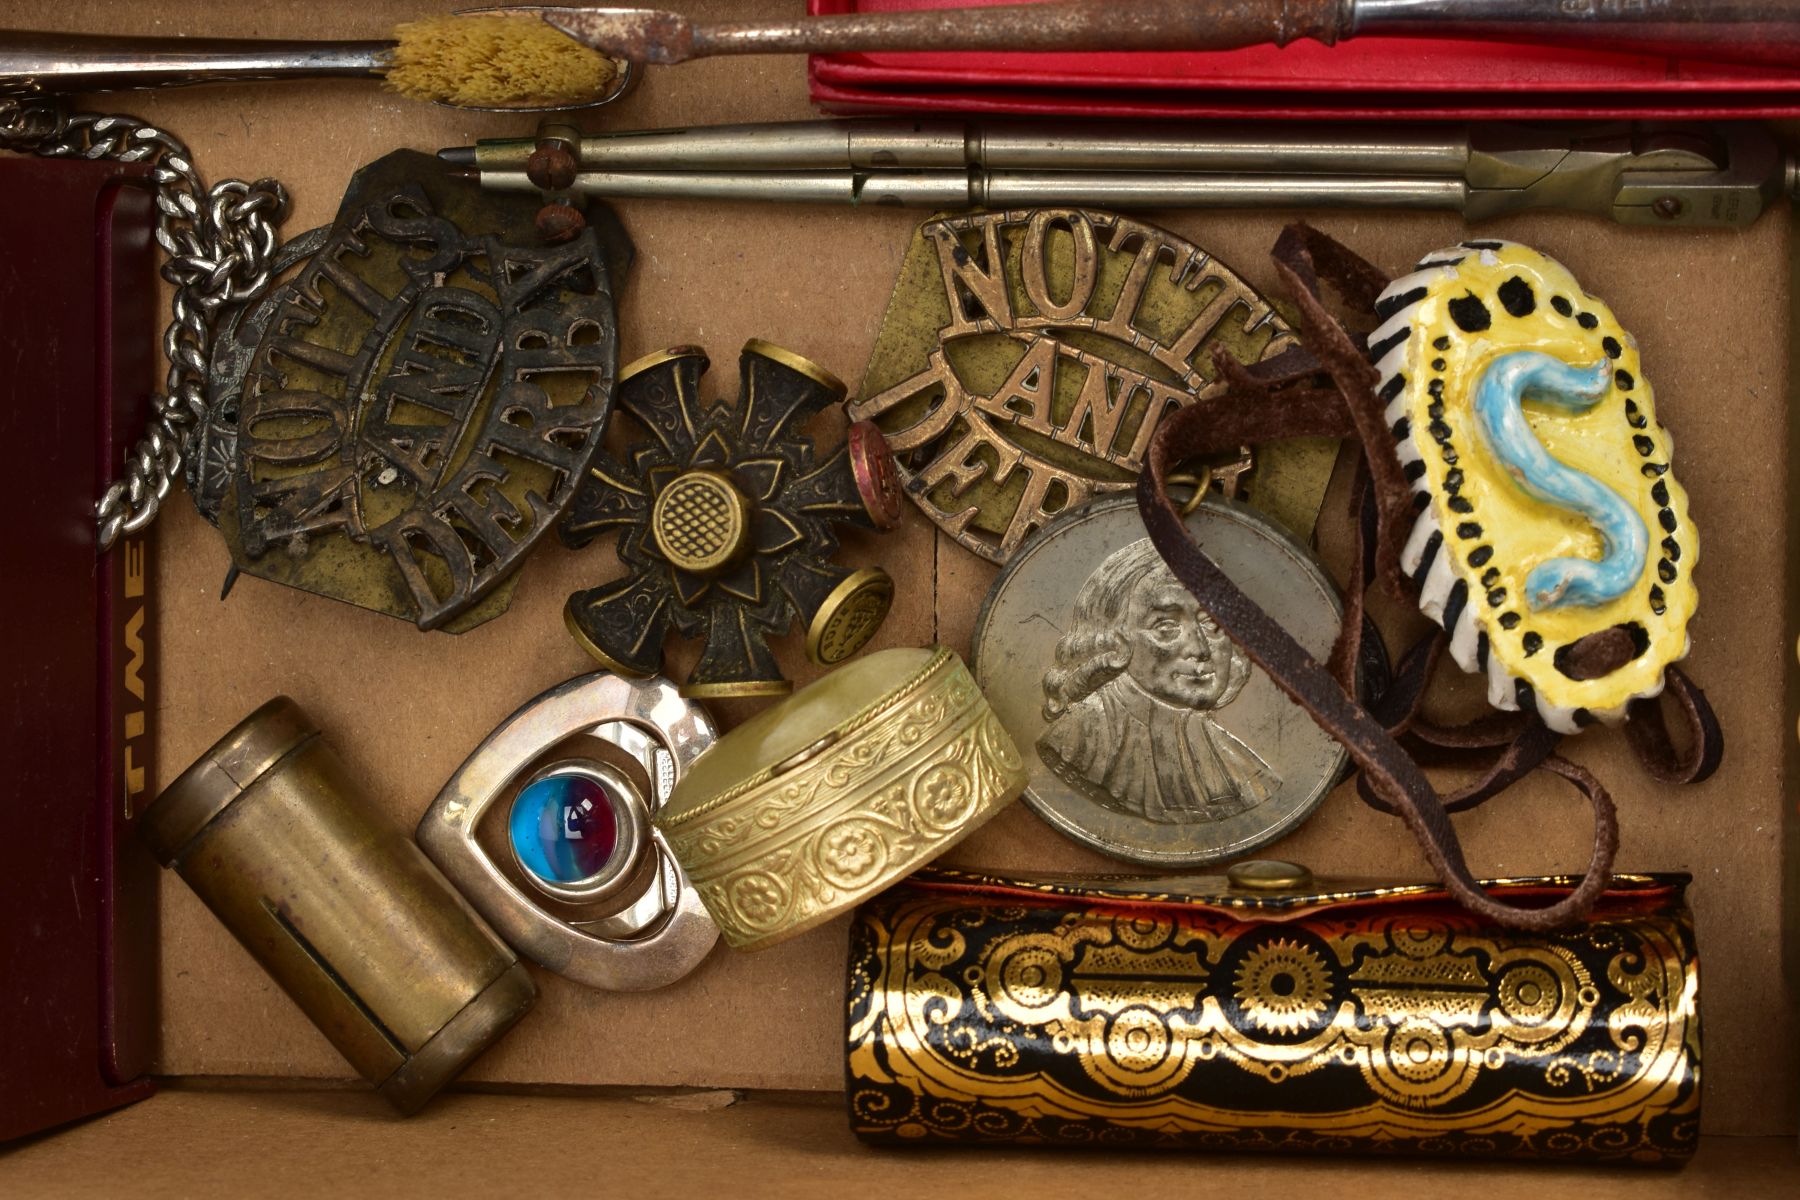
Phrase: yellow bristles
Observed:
(496, 61)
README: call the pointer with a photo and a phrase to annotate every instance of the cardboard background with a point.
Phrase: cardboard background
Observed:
(1710, 310)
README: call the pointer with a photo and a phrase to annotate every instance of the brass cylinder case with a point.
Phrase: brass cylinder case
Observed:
(343, 910)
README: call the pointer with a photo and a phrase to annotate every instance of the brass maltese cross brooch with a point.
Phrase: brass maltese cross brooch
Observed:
(725, 521)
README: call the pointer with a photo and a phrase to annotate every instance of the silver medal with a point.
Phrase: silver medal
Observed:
(1148, 733)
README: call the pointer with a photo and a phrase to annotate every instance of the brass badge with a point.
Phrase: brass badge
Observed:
(399, 423)
(724, 521)
(1027, 357)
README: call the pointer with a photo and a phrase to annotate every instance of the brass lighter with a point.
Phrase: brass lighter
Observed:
(341, 909)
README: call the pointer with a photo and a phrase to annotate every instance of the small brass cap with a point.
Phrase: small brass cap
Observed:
(701, 522)
(1268, 875)
(218, 777)
(479, 1024)
(572, 622)
(799, 363)
(850, 616)
(736, 689)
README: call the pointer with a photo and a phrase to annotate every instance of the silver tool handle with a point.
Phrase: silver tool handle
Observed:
(34, 64)
(1010, 188)
(1748, 31)
(900, 143)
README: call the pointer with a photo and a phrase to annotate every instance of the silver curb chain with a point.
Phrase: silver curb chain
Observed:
(220, 245)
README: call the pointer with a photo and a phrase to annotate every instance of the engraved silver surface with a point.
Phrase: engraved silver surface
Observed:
(1149, 735)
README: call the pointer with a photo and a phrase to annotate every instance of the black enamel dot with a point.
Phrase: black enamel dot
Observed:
(1470, 314)
(1448, 453)
(1612, 347)
(1623, 381)
(1468, 530)
(1496, 597)
(1561, 305)
(1517, 298)
(1672, 549)
(1588, 321)
(1510, 620)
(1460, 504)
(1666, 518)
(1490, 576)
(1479, 556)
(1659, 492)
(1644, 445)
(1453, 481)
(1441, 342)
(1533, 641)
(1665, 570)
(1438, 364)
(1657, 604)
(1435, 410)
(1633, 417)
(1439, 431)
(1652, 470)
(1435, 389)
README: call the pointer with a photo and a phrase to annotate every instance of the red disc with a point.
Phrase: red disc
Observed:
(876, 480)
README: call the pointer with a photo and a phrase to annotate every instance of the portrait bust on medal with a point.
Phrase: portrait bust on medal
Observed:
(1128, 700)
(1148, 733)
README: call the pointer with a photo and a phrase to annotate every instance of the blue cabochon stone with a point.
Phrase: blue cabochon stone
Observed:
(563, 828)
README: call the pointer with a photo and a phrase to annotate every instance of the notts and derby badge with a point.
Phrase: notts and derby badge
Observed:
(399, 422)
(1027, 357)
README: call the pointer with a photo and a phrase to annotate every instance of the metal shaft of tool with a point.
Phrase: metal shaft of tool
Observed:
(64, 63)
(886, 143)
(1765, 31)
(1015, 188)
(1750, 31)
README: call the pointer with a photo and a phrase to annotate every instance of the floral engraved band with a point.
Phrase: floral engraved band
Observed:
(830, 795)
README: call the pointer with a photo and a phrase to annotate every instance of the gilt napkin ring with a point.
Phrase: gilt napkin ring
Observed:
(835, 792)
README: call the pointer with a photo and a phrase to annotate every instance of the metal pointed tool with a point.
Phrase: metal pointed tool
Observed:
(1763, 31)
(1636, 174)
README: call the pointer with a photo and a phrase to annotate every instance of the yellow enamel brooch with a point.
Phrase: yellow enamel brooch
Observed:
(1553, 542)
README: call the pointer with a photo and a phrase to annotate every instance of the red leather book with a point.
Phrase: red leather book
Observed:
(78, 303)
(1364, 79)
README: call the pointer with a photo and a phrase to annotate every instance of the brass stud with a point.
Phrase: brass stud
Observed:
(850, 616)
(1268, 875)
(701, 522)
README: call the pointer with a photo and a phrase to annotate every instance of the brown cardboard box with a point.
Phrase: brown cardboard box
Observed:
(1709, 308)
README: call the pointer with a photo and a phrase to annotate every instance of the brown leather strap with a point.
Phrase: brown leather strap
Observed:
(1325, 387)
(1393, 776)
(1649, 733)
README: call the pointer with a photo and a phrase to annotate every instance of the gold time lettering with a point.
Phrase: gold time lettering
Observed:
(133, 571)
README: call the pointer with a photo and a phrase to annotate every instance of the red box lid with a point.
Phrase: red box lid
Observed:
(1371, 78)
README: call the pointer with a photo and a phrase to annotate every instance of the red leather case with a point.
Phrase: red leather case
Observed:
(1368, 79)
(77, 893)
